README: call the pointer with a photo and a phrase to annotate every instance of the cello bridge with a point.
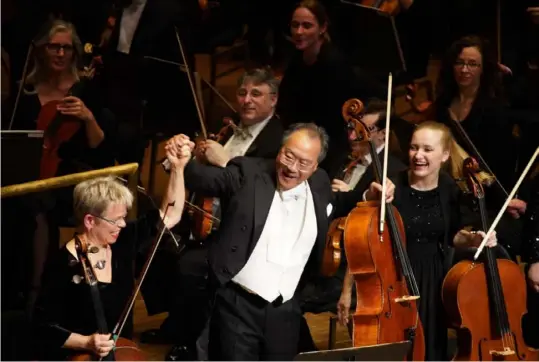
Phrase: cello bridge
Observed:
(406, 298)
(506, 352)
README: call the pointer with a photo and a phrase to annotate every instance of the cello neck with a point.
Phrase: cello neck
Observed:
(398, 245)
(495, 288)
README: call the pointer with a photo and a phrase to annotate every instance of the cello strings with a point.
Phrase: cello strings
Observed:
(492, 274)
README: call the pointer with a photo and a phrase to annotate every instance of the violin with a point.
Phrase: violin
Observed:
(59, 128)
(375, 245)
(332, 256)
(125, 349)
(486, 300)
(392, 7)
(202, 216)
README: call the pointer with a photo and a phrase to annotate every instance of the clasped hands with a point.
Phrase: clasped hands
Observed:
(178, 150)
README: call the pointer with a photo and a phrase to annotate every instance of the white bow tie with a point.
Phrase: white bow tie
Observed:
(297, 193)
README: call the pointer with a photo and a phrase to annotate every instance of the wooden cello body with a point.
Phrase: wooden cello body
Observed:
(387, 292)
(383, 313)
(485, 301)
(465, 296)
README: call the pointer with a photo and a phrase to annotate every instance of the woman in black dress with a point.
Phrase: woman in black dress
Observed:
(64, 321)
(471, 99)
(319, 80)
(428, 201)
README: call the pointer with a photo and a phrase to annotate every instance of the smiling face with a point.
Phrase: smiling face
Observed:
(298, 159)
(306, 31)
(468, 67)
(256, 102)
(106, 227)
(427, 152)
(59, 52)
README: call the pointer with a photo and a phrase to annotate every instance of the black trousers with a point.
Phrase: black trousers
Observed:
(246, 327)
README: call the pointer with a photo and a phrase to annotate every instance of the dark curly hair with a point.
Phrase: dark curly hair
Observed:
(490, 87)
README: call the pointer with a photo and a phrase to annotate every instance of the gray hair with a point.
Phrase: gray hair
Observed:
(37, 74)
(313, 131)
(260, 76)
(93, 196)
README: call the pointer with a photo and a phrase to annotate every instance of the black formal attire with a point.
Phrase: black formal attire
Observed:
(64, 305)
(317, 92)
(530, 255)
(489, 126)
(243, 325)
(187, 306)
(431, 219)
(322, 293)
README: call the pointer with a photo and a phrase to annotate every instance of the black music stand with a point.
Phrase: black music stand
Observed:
(21, 156)
(372, 41)
(380, 352)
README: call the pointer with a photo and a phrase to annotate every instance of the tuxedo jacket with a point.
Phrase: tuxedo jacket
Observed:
(246, 188)
(268, 142)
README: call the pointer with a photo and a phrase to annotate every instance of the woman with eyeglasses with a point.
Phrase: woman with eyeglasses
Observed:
(64, 321)
(471, 98)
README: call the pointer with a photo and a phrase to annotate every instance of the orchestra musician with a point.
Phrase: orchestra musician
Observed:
(54, 76)
(318, 79)
(272, 235)
(64, 322)
(322, 294)
(470, 95)
(429, 203)
(258, 134)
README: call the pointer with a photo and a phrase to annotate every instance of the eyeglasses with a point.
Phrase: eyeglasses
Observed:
(254, 93)
(55, 47)
(470, 65)
(116, 223)
(290, 161)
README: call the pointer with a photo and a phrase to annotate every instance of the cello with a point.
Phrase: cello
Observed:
(125, 349)
(485, 301)
(387, 291)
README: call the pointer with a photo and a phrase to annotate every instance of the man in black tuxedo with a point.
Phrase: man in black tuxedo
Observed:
(258, 134)
(322, 294)
(271, 238)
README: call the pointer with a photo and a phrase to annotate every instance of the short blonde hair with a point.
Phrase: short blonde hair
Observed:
(95, 195)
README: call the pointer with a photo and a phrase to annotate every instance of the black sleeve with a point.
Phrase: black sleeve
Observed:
(214, 181)
(51, 304)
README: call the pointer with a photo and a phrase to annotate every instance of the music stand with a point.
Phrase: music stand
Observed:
(380, 352)
(21, 156)
(374, 44)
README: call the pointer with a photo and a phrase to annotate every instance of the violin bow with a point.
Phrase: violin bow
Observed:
(386, 153)
(21, 84)
(504, 207)
(144, 192)
(478, 155)
(125, 314)
(192, 85)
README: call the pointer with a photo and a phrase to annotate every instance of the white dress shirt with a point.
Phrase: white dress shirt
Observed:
(128, 25)
(283, 249)
(237, 145)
